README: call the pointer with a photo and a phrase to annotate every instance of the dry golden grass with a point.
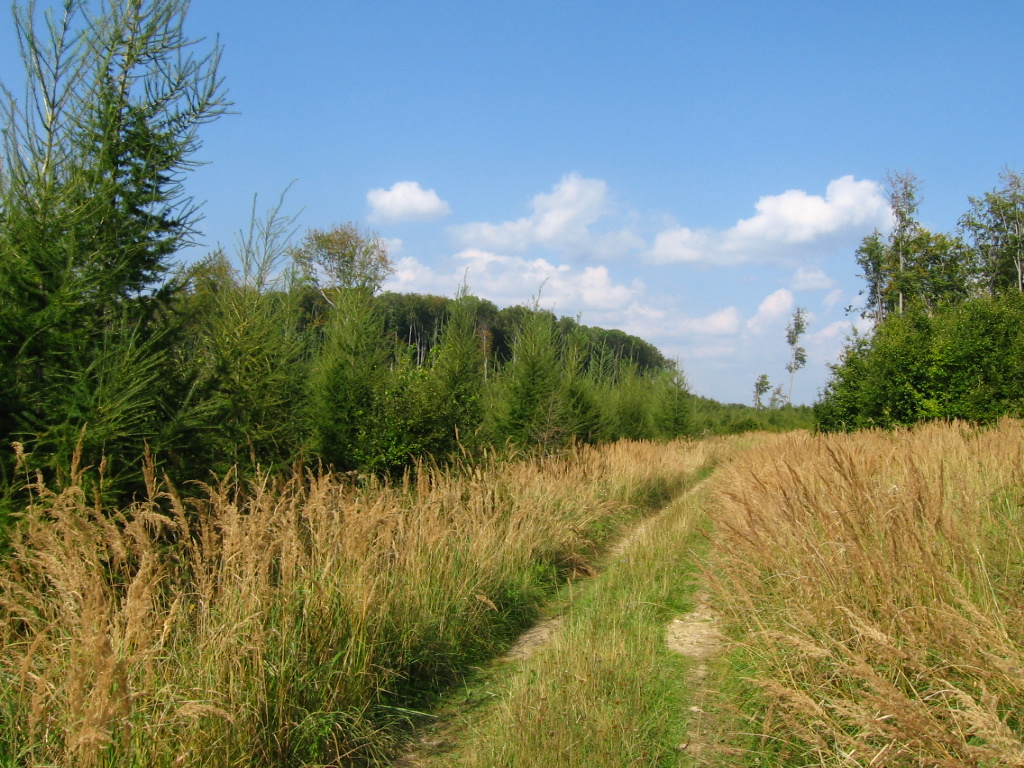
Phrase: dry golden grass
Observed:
(292, 622)
(876, 583)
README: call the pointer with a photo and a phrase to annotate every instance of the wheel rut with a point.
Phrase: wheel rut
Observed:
(695, 635)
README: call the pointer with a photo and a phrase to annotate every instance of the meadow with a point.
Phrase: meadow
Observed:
(873, 585)
(869, 588)
(290, 622)
(869, 594)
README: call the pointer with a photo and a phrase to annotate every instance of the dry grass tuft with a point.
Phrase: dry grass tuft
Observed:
(285, 623)
(876, 581)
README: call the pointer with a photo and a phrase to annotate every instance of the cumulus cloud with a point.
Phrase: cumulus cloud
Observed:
(774, 307)
(650, 322)
(406, 201)
(711, 352)
(724, 321)
(681, 244)
(561, 220)
(811, 280)
(413, 276)
(513, 279)
(796, 217)
(837, 330)
(832, 298)
(783, 226)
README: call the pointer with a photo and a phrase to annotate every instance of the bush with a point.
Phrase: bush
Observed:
(961, 361)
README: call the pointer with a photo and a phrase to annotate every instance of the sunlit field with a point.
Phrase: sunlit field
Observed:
(293, 622)
(874, 584)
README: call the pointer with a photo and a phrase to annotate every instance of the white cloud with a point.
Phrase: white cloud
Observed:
(724, 321)
(784, 226)
(561, 220)
(705, 353)
(796, 217)
(811, 280)
(513, 280)
(649, 322)
(838, 329)
(827, 344)
(774, 307)
(680, 244)
(406, 201)
(833, 298)
(412, 276)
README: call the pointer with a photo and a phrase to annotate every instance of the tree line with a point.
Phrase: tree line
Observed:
(948, 317)
(278, 352)
(275, 352)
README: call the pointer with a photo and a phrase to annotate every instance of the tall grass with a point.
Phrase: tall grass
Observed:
(876, 585)
(289, 622)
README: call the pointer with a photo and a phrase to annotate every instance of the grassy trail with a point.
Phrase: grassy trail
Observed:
(871, 587)
(609, 678)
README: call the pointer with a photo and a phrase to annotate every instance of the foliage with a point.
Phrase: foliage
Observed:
(762, 387)
(240, 360)
(710, 417)
(275, 353)
(347, 379)
(947, 318)
(530, 410)
(416, 319)
(912, 267)
(673, 405)
(995, 224)
(91, 208)
(961, 362)
(343, 257)
(798, 355)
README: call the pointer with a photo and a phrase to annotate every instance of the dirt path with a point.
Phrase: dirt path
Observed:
(695, 635)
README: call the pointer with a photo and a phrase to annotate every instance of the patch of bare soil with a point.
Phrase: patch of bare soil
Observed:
(697, 636)
(536, 636)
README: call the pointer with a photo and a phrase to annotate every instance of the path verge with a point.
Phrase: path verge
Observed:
(598, 684)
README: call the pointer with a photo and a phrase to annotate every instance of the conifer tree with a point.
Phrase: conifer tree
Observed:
(528, 411)
(92, 204)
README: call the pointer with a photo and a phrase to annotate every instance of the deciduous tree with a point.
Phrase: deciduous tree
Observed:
(798, 355)
(344, 257)
(761, 388)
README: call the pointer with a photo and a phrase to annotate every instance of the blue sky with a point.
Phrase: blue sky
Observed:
(688, 172)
